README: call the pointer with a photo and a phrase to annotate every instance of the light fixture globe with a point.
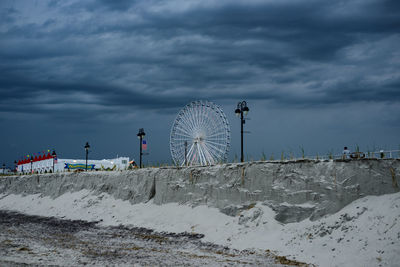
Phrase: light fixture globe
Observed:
(245, 110)
(141, 133)
(237, 112)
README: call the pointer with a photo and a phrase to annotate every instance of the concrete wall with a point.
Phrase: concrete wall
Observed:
(294, 189)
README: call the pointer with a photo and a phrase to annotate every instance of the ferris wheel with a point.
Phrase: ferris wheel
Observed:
(200, 135)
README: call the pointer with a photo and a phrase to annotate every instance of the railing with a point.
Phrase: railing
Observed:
(381, 154)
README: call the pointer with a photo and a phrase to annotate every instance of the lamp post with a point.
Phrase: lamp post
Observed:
(16, 166)
(140, 136)
(31, 164)
(4, 168)
(54, 155)
(87, 152)
(240, 110)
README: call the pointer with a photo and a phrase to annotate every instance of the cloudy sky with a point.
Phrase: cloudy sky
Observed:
(317, 74)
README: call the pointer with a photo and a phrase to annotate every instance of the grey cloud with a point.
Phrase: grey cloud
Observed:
(257, 51)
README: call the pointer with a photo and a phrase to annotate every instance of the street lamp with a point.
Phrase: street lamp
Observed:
(240, 110)
(54, 155)
(16, 166)
(140, 136)
(31, 164)
(87, 152)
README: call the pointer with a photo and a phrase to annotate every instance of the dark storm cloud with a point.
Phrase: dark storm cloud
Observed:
(157, 55)
(316, 73)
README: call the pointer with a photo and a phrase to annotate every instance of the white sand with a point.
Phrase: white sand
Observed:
(365, 233)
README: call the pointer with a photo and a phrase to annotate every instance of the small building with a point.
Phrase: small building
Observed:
(48, 164)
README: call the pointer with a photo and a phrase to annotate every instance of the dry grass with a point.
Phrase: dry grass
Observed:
(286, 261)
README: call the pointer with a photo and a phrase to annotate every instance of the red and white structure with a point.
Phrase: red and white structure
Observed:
(37, 164)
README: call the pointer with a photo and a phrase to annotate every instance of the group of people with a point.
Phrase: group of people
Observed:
(346, 153)
(356, 155)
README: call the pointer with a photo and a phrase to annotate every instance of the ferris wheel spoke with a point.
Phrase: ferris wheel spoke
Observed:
(182, 139)
(219, 142)
(201, 115)
(212, 151)
(216, 134)
(182, 131)
(185, 125)
(215, 147)
(207, 119)
(188, 122)
(198, 117)
(193, 117)
(216, 128)
(182, 120)
(182, 136)
(214, 143)
(185, 130)
(208, 122)
(219, 154)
